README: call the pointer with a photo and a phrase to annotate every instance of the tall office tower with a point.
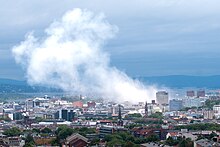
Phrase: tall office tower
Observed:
(190, 93)
(120, 121)
(201, 93)
(162, 97)
(29, 104)
(65, 114)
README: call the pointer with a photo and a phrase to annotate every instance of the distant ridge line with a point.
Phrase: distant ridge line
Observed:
(172, 81)
(181, 81)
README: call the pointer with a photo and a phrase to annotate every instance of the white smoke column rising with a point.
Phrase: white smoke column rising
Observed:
(69, 57)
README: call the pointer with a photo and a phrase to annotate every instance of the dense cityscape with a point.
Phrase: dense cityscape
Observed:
(192, 120)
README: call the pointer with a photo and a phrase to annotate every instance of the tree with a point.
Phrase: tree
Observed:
(131, 126)
(108, 137)
(94, 142)
(14, 131)
(46, 130)
(39, 119)
(200, 126)
(200, 137)
(63, 132)
(55, 142)
(171, 142)
(213, 134)
(210, 103)
(186, 142)
(152, 138)
(130, 144)
(115, 142)
(136, 115)
(84, 130)
(122, 138)
(28, 145)
(29, 141)
(158, 115)
(36, 130)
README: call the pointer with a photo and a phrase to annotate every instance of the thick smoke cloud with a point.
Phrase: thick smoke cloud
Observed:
(69, 57)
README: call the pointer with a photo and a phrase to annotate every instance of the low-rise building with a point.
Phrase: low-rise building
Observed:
(75, 140)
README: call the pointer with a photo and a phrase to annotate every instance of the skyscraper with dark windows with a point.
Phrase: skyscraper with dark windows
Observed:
(201, 93)
(65, 114)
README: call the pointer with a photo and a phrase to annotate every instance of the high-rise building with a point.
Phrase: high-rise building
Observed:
(208, 114)
(162, 98)
(201, 93)
(176, 105)
(17, 116)
(190, 93)
(29, 104)
(65, 114)
(216, 109)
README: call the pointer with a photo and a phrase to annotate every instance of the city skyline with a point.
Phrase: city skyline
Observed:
(154, 38)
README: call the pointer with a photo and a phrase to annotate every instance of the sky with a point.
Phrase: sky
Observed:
(155, 37)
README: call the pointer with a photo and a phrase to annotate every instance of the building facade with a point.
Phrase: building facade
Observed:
(176, 105)
(162, 97)
(216, 109)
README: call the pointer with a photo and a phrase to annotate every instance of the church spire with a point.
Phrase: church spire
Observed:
(146, 110)
(120, 121)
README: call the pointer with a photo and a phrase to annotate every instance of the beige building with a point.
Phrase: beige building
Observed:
(216, 109)
(209, 114)
(162, 98)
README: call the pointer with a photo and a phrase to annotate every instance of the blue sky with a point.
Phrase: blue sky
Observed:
(156, 37)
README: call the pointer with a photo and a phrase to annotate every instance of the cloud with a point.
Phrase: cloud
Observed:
(146, 26)
(70, 57)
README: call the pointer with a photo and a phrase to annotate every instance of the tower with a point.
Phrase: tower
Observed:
(162, 98)
(146, 109)
(120, 121)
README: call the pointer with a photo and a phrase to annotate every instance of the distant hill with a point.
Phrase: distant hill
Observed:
(181, 81)
(16, 86)
(173, 81)
(12, 82)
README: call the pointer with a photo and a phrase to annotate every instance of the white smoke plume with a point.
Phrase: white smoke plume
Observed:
(69, 57)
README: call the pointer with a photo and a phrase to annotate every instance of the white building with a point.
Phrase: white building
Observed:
(1, 108)
(153, 108)
(216, 109)
(194, 102)
(162, 98)
(29, 104)
(209, 114)
(41, 102)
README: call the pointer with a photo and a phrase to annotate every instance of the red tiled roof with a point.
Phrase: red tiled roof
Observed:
(173, 133)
